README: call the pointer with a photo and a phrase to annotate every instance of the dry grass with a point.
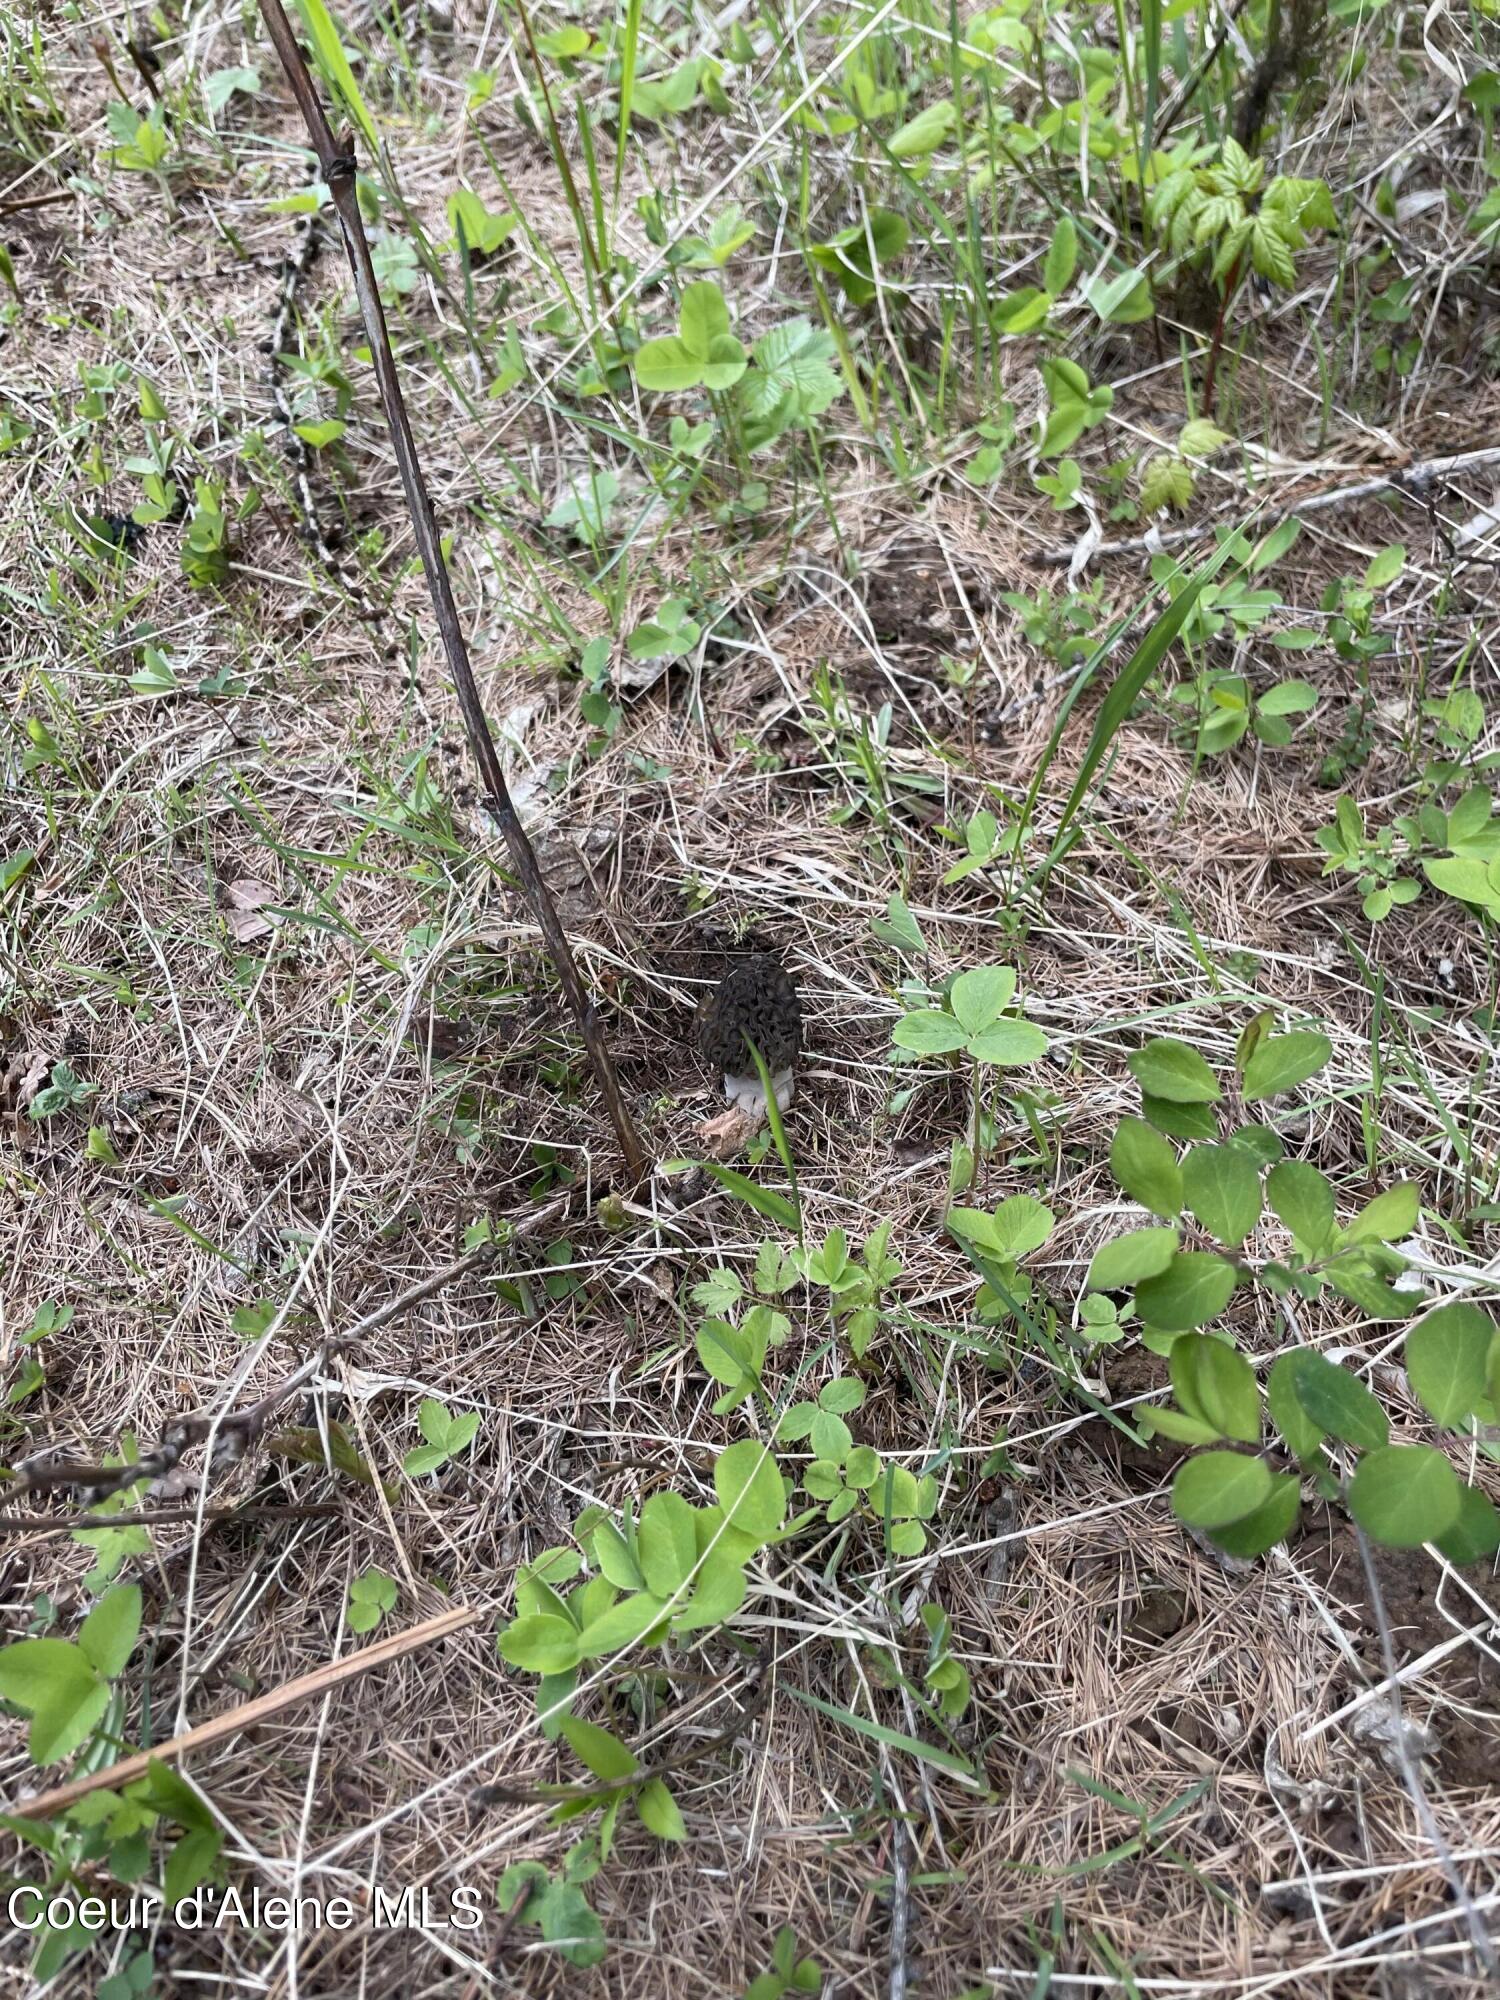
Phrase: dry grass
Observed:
(311, 1114)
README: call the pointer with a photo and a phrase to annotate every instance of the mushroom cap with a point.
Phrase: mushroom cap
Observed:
(755, 1002)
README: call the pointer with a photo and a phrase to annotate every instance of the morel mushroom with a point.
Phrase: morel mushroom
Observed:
(754, 1004)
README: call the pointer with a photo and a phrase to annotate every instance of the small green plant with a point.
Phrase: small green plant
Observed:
(446, 1436)
(995, 1241)
(49, 1318)
(205, 547)
(975, 1020)
(555, 1905)
(1225, 215)
(64, 1685)
(1064, 627)
(703, 353)
(671, 1571)
(370, 1597)
(666, 636)
(1217, 708)
(63, 1091)
(1458, 853)
(786, 1973)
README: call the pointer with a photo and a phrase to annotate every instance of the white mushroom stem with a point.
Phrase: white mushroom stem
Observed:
(747, 1094)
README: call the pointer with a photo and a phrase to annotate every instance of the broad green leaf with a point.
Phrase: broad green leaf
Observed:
(1179, 1121)
(1271, 1522)
(1062, 257)
(724, 363)
(718, 1592)
(1218, 1488)
(1405, 1494)
(702, 318)
(1174, 1424)
(978, 997)
(107, 1636)
(190, 1862)
(605, 1755)
(1142, 1253)
(659, 1812)
(1221, 1186)
(667, 1543)
(32, 1669)
(668, 364)
(1303, 1201)
(929, 1033)
(1475, 1535)
(612, 1554)
(748, 1482)
(1217, 1386)
(1283, 1061)
(1194, 1288)
(620, 1626)
(541, 1644)
(1447, 1357)
(1146, 1167)
(1302, 1435)
(1388, 1217)
(1337, 1403)
(1170, 1069)
(1009, 1044)
(1466, 881)
(1019, 1225)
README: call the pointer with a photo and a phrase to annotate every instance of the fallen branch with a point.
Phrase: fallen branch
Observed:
(337, 163)
(163, 1517)
(1413, 480)
(331, 1675)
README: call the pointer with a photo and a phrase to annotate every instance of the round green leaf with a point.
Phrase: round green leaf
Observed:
(1220, 1487)
(1146, 1167)
(1281, 1062)
(929, 1033)
(668, 364)
(1268, 1525)
(1142, 1253)
(1221, 1186)
(1447, 1357)
(1405, 1494)
(1019, 1225)
(666, 1543)
(1475, 1535)
(1302, 1435)
(1009, 1044)
(1216, 1385)
(1170, 1069)
(748, 1483)
(703, 318)
(1303, 1201)
(1336, 1402)
(541, 1645)
(107, 1636)
(1194, 1288)
(978, 997)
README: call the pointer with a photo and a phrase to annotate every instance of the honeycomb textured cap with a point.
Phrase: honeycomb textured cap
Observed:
(754, 1002)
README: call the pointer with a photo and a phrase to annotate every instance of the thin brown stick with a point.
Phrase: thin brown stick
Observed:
(332, 1674)
(337, 163)
(162, 1517)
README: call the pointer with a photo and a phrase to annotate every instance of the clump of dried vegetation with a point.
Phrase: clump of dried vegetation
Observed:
(994, 508)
